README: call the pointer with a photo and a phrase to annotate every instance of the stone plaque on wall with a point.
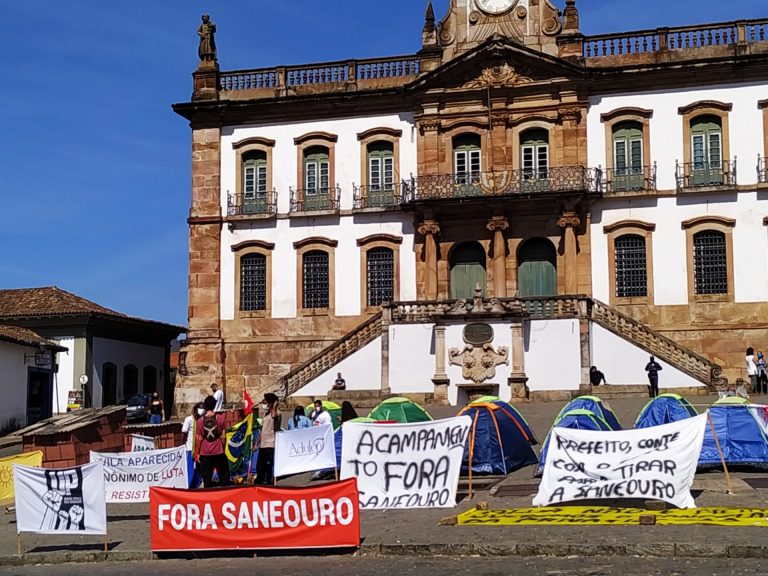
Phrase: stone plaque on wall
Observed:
(478, 333)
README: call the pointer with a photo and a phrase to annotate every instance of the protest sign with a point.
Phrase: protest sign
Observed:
(141, 443)
(56, 501)
(128, 475)
(657, 463)
(304, 450)
(405, 465)
(255, 518)
(33, 459)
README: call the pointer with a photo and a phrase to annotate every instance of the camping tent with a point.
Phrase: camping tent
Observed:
(663, 410)
(332, 408)
(498, 443)
(595, 405)
(400, 410)
(337, 440)
(579, 419)
(515, 412)
(741, 436)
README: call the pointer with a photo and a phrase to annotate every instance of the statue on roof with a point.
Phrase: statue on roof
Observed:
(207, 49)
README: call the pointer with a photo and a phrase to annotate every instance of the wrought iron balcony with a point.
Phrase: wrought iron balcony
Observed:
(503, 183)
(315, 199)
(628, 180)
(693, 175)
(762, 170)
(387, 196)
(260, 203)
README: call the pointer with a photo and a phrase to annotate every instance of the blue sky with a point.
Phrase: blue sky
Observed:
(95, 181)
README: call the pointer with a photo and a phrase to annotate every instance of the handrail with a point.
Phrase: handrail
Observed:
(693, 175)
(762, 170)
(244, 204)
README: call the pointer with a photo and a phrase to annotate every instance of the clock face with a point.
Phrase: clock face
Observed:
(495, 6)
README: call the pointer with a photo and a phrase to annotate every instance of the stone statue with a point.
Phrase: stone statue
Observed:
(207, 48)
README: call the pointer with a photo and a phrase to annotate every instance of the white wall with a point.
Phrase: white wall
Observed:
(553, 354)
(122, 353)
(13, 381)
(666, 126)
(750, 241)
(411, 358)
(65, 379)
(361, 371)
(624, 363)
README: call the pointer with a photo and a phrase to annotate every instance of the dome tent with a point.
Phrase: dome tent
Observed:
(594, 405)
(515, 413)
(400, 410)
(664, 409)
(497, 443)
(741, 436)
(577, 419)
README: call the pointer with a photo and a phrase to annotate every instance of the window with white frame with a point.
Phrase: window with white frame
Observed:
(534, 151)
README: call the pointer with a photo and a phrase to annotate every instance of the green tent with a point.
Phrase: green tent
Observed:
(332, 408)
(400, 410)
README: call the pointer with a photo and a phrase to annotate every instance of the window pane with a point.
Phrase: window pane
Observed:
(311, 172)
(249, 179)
(261, 181)
(460, 161)
(374, 172)
(324, 174)
(380, 275)
(474, 161)
(528, 159)
(714, 150)
(389, 171)
(620, 157)
(542, 160)
(253, 282)
(636, 148)
(631, 268)
(315, 279)
(698, 151)
(710, 262)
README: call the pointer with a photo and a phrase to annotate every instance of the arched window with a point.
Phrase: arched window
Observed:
(149, 379)
(130, 380)
(706, 151)
(710, 261)
(628, 156)
(254, 182)
(316, 170)
(534, 151)
(467, 163)
(381, 165)
(108, 384)
(315, 277)
(380, 276)
(630, 266)
(253, 282)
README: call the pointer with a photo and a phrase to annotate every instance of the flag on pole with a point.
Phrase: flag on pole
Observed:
(238, 446)
(247, 403)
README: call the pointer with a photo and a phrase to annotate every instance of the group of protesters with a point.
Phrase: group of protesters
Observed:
(205, 436)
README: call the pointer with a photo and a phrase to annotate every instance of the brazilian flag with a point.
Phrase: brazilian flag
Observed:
(239, 445)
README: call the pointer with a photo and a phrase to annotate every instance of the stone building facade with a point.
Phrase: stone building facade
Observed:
(510, 157)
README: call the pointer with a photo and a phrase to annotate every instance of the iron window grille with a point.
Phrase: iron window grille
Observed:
(631, 266)
(315, 279)
(380, 276)
(710, 262)
(253, 282)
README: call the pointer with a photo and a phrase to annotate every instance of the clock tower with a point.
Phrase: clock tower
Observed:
(533, 23)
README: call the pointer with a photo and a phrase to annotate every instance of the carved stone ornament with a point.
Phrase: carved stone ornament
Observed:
(479, 363)
(497, 223)
(570, 113)
(428, 227)
(502, 75)
(569, 221)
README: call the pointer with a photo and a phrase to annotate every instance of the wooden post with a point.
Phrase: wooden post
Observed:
(728, 484)
(18, 543)
(106, 543)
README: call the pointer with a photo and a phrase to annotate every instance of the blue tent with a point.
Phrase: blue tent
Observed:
(337, 439)
(498, 443)
(741, 437)
(595, 405)
(578, 419)
(663, 410)
(515, 413)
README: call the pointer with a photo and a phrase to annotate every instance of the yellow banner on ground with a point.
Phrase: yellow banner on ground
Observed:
(597, 516)
(6, 471)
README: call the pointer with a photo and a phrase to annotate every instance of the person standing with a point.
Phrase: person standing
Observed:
(218, 395)
(320, 416)
(348, 411)
(653, 368)
(270, 424)
(155, 409)
(188, 428)
(762, 374)
(210, 438)
(299, 420)
(751, 368)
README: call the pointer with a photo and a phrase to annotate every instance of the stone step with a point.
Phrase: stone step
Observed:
(606, 391)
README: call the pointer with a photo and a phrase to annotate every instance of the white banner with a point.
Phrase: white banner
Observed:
(128, 475)
(55, 501)
(141, 443)
(760, 413)
(656, 463)
(304, 450)
(405, 465)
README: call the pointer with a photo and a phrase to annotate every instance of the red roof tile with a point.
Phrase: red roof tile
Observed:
(47, 301)
(24, 336)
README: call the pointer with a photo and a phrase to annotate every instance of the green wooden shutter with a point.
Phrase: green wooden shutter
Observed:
(628, 173)
(706, 151)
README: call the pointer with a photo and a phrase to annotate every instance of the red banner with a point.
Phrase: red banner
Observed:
(255, 518)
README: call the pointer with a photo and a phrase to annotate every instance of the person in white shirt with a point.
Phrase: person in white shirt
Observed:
(751, 368)
(188, 429)
(218, 395)
(320, 416)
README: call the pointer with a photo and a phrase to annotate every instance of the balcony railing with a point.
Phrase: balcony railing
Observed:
(621, 180)
(503, 183)
(762, 170)
(263, 203)
(678, 38)
(693, 175)
(387, 196)
(315, 199)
